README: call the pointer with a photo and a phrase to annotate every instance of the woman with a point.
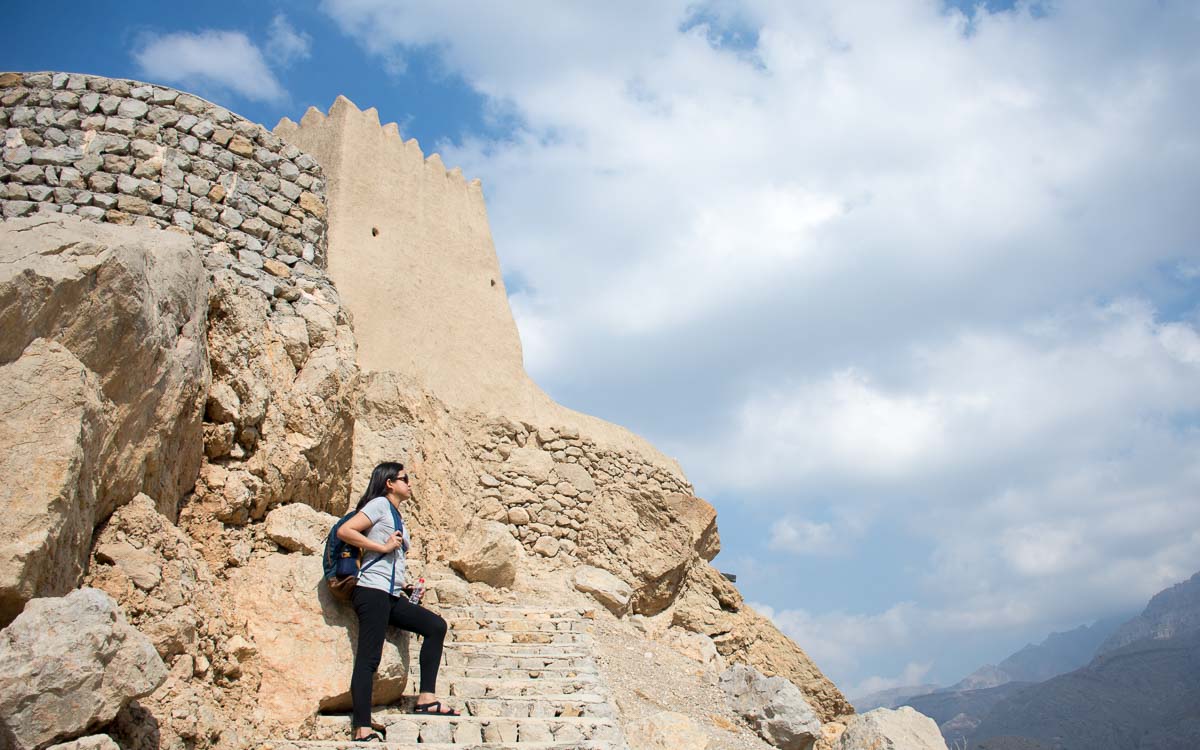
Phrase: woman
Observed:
(379, 532)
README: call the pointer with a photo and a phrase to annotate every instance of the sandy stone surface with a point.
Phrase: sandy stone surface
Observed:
(634, 665)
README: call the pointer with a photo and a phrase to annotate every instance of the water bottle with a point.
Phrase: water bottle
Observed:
(418, 591)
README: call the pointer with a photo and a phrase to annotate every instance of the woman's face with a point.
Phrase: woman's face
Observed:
(398, 486)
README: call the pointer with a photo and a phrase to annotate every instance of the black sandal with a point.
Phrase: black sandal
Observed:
(372, 737)
(434, 709)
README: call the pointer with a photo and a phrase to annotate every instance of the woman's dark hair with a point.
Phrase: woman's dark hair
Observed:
(377, 487)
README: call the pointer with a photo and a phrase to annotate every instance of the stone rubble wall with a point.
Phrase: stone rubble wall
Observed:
(547, 494)
(128, 152)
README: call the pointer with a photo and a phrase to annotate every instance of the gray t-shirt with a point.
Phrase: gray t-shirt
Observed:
(380, 574)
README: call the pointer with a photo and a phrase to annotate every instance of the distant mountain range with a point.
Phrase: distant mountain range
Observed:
(1142, 696)
(1057, 654)
(1118, 684)
(1171, 612)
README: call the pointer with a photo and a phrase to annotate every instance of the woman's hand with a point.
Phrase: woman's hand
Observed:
(394, 542)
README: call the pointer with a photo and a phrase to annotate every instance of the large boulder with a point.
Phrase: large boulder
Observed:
(604, 587)
(488, 554)
(299, 528)
(104, 371)
(70, 664)
(903, 728)
(53, 415)
(305, 640)
(130, 303)
(773, 706)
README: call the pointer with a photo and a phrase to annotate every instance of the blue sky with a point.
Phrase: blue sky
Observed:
(909, 288)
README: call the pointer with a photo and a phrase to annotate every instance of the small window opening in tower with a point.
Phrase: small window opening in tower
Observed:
(374, 231)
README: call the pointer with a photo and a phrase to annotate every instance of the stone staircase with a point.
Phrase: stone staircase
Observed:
(523, 678)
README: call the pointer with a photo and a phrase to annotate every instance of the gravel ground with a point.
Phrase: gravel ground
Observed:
(646, 677)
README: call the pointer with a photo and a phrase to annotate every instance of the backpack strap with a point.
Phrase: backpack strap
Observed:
(398, 525)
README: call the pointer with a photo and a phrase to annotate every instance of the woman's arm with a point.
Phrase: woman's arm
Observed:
(352, 533)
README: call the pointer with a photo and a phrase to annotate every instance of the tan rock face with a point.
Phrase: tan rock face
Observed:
(70, 663)
(651, 548)
(166, 590)
(130, 304)
(53, 415)
(304, 640)
(281, 406)
(397, 421)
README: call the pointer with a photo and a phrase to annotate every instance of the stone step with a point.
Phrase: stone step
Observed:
(514, 649)
(516, 659)
(493, 664)
(511, 648)
(477, 687)
(505, 637)
(546, 705)
(533, 669)
(507, 613)
(348, 745)
(518, 625)
(476, 730)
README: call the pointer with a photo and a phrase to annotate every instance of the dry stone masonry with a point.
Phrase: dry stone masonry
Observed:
(133, 153)
(543, 483)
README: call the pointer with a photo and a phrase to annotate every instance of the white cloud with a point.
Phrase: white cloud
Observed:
(913, 674)
(802, 537)
(874, 263)
(225, 59)
(285, 44)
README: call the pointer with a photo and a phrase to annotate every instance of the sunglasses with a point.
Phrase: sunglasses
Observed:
(399, 478)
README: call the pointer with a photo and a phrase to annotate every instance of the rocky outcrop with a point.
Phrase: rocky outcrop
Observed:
(105, 327)
(70, 664)
(279, 418)
(303, 640)
(773, 706)
(886, 729)
(488, 554)
(168, 591)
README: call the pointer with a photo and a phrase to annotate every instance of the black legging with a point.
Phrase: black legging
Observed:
(376, 610)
